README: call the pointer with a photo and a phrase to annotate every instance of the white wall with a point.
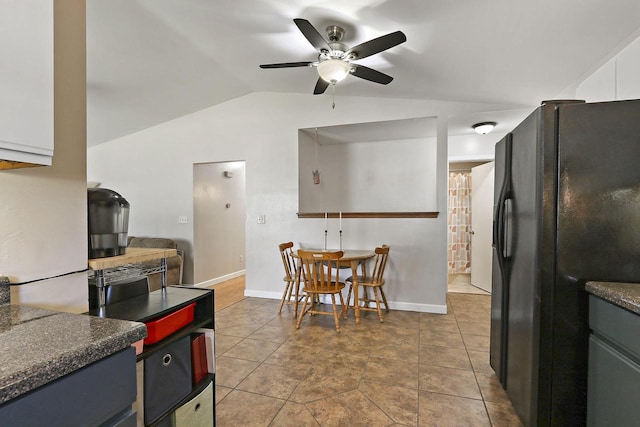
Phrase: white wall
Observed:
(219, 216)
(473, 147)
(615, 80)
(152, 169)
(43, 213)
(378, 176)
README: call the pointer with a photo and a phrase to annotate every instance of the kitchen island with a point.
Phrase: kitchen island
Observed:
(614, 354)
(75, 369)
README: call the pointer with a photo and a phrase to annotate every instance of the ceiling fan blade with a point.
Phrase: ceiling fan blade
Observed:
(321, 86)
(376, 45)
(287, 65)
(370, 74)
(312, 35)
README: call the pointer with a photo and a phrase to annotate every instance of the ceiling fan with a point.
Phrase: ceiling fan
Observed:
(335, 60)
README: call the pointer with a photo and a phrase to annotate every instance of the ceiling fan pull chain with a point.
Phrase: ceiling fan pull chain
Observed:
(333, 105)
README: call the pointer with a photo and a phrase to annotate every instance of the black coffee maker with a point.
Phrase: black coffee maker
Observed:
(108, 219)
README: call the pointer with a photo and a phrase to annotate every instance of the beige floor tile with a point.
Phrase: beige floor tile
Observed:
(387, 372)
(476, 342)
(273, 333)
(240, 408)
(294, 415)
(242, 331)
(398, 350)
(337, 362)
(413, 369)
(293, 356)
(255, 350)
(480, 361)
(451, 381)
(348, 409)
(491, 388)
(225, 342)
(262, 316)
(441, 339)
(405, 319)
(442, 410)
(480, 316)
(269, 380)
(474, 328)
(445, 356)
(399, 403)
(221, 392)
(319, 384)
(230, 372)
(503, 415)
(439, 322)
(230, 320)
(395, 332)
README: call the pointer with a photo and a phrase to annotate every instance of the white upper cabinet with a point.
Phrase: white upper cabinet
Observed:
(26, 82)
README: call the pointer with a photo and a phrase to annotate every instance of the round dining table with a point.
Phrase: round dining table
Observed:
(350, 259)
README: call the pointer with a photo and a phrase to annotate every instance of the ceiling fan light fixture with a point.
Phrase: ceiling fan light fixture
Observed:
(484, 127)
(333, 70)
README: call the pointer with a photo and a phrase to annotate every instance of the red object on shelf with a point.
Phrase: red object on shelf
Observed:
(164, 326)
(198, 358)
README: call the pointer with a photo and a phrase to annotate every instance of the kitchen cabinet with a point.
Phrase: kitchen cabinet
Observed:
(614, 365)
(63, 369)
(26, 83)
(99, 394)
(158, 404)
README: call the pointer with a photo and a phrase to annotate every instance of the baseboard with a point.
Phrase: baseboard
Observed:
(422, 308)
(401, 306)
(220, 279)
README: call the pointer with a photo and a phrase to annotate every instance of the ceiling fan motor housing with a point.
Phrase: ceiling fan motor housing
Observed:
(335, 33)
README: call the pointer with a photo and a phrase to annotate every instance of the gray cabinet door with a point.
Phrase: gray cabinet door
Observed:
(614, 387)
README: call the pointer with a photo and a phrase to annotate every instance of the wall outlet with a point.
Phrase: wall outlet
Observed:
(182, 220)
(262, 219)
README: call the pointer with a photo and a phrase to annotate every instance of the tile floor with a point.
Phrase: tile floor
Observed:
(415, 369)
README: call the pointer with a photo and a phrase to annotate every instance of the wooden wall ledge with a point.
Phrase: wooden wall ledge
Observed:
(370, 214)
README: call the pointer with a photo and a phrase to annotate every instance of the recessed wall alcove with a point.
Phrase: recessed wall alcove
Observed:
(381, 169)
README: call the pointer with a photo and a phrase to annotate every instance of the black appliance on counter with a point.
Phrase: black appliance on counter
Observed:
(567, 210)
(108, 219)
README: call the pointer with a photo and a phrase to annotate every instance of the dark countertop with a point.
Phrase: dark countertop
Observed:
(625, 295)
(38, 346)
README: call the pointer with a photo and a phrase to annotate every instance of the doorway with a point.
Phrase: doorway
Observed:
(463, 268)
(219, 220)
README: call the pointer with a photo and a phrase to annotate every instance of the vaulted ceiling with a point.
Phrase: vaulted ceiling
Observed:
(149, 61)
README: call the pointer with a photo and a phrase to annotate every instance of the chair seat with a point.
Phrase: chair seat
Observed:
(329, 289)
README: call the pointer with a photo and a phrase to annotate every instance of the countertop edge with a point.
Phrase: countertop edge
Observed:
(69, 358)
(625, 295)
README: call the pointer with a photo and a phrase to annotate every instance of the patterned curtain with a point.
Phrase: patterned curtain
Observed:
(458, 241)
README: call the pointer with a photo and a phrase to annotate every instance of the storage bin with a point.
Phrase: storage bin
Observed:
(167, 378)
(198, 412)
(161, 328)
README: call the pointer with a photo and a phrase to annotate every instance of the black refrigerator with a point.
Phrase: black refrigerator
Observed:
(566, 210)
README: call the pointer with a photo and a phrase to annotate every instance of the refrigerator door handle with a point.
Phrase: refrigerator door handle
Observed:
(506, 226)
(503, 209)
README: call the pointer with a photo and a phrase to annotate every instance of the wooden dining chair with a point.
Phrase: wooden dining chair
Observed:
(321, 275)
(286, 252)
(375, 282)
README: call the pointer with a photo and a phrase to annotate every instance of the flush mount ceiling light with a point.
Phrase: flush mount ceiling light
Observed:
(333, 70)
(484, 127)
